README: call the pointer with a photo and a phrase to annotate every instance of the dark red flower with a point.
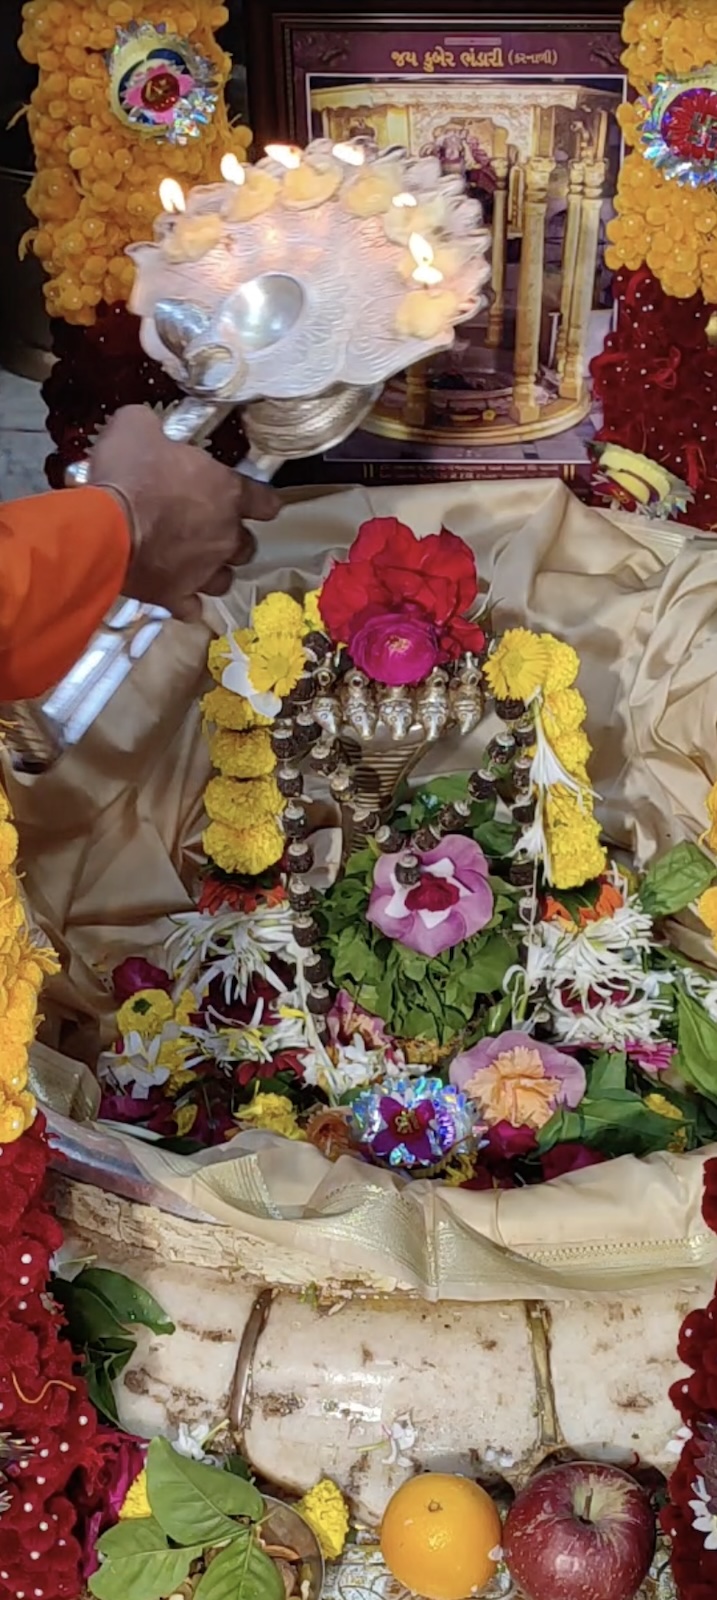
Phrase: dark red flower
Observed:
(388, 569)
(134, 974)
(564, 1158)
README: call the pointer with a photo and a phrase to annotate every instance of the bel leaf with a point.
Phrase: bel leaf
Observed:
(496, 838)
(128, 1301)
(193, 1503)
(697, 1043)
(608, 1073)
(242, 1572)
(90, 1319)
(672, 883)
(138, 1563)
(490, 965)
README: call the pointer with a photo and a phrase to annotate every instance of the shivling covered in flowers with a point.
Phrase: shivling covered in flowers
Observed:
(449, 976)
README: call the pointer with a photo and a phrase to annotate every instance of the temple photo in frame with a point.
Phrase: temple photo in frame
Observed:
(528, 118)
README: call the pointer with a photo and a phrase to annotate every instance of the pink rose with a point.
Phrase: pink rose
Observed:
(516, 1079)
(394, 647)
(452, 901)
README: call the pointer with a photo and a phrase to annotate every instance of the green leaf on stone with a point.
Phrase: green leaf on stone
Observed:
(138, 1563)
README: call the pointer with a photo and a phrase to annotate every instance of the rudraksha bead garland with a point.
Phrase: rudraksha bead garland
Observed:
(331, 713)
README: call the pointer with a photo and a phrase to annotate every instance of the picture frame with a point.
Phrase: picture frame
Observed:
(525, 107)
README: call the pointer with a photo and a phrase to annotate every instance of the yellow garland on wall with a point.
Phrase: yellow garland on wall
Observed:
(23, 969)
(667, 226)
(96, 186)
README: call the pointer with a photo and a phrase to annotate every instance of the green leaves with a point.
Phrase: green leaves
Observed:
(615, 1119)
(697, 1045)
(676, 880)
(194, 1503)
(138, 1562)
(242, 1572)
(100, 1306)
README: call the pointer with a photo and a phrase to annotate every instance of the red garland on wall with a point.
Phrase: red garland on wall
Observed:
(99, 369)
(48, 1429)
(656, 380)
(693, 1487)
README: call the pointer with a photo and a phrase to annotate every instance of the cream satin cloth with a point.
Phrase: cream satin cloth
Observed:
(111, 836)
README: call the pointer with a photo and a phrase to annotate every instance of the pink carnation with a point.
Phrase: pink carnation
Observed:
(519, 1080)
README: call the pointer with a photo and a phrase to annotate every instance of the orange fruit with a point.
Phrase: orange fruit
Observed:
(440, 1535)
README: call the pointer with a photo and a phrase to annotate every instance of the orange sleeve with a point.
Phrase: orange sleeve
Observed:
(63, 560)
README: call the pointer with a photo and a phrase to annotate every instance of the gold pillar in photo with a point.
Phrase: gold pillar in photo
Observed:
(416, 412)
(496, 315)
(573, 214)
(573, 382)
(525, 406)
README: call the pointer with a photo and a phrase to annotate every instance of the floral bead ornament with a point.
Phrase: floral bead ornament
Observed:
(414, 1126)
(678, 128)
(160, 84)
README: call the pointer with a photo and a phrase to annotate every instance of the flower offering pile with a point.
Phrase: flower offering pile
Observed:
(446, 977)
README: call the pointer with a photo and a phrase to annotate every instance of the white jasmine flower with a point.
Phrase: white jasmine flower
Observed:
(677, 1445)
(401, 1437)
(137, 1067)
(704, 1519)
(190, 1441)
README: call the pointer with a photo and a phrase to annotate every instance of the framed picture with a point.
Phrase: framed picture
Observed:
(524, 108)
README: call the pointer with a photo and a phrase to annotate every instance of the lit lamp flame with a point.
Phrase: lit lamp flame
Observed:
(404, 201)
(286, 154)
(351, 154)
(232, 170)
(171, 195)
(422, 253)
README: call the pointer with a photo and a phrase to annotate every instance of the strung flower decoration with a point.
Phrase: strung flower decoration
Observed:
(415, 1126)
(678, 131)
(401, 603)
(638, 484)
(518, 1080)
(431, 900)
(161, 84)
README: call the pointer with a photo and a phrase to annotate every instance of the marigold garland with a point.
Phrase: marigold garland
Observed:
(96, 185)
(244, 804)
(672, 229)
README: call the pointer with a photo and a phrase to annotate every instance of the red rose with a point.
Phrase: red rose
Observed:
(388, 568)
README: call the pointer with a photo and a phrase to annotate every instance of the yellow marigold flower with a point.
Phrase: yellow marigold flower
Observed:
(188, 1003)
(276, 663)
(12, 1119)
(278, 614)
(240, 804)
(273, 1113)
(249, 852)
(707, 909)
(313, 620)
(219, 654)
(563, 712)
(145, 1013)
(516, 669)
(563, 665)
(242, 755)
(573, 751)
(136, 1501)
(326, 1512)
(577, 860)
(8, 845)
(13, 1069)
(227, 710)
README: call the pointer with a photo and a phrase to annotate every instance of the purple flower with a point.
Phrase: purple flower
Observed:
(452, 901)
(407, 1129)
(518, 1080)
(134, 974)
(654, 1057)
(395, 647)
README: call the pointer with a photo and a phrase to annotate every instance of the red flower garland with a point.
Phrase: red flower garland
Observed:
(43, 1404)
(695, 1397)
(656, 380)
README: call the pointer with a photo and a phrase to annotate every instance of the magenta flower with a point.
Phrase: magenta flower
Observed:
(395, 647)
(135, 974)
(564, 1158)
(157, 90)
(655, 1057)
(518, 1080)
(452, 901)
(101, 1489)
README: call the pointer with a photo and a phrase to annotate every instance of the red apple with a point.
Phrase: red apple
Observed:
(584, 1531)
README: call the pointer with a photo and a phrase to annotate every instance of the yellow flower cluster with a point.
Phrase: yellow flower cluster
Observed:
(136, 1501)
(23, 969)
(326, 1512)
(146, 1013)
(273, 1113)
(541, 671)
(244, 804)
(670, 227)
(96, 186)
